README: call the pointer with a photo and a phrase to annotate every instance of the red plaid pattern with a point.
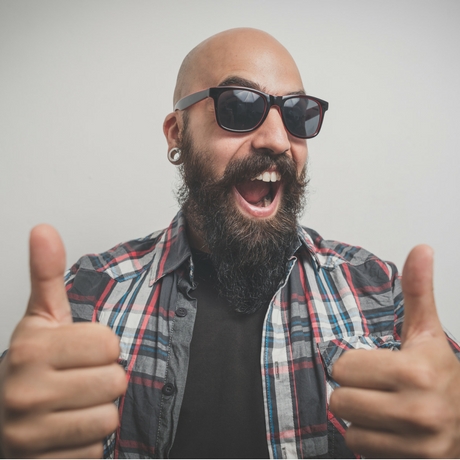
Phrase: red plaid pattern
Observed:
(334, 297)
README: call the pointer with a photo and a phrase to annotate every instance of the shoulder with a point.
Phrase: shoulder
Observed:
(123, 261)
(159, 251)
(357, 290)
(330, 254)
(96, 279)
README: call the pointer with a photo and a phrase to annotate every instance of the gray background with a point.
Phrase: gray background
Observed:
(85, 86)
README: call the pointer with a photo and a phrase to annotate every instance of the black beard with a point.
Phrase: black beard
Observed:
(249, 255)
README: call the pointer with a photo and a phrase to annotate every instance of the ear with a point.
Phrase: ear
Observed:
(172, 127)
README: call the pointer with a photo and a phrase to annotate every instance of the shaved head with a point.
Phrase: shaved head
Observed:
(235, 52)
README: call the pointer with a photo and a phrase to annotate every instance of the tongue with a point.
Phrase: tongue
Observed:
(253, 190)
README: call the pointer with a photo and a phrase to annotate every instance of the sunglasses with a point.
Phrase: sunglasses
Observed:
(242, 110)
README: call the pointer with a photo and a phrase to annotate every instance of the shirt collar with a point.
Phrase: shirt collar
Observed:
(326, 254)
(307, 244)
(173, 249)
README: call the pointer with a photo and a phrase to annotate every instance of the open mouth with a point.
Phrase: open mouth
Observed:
(260, 196)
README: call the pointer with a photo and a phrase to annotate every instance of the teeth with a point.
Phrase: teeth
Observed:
(268, 176)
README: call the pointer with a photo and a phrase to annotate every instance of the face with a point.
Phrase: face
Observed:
(273, 72)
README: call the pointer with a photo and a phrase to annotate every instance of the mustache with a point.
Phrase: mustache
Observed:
(254, 164)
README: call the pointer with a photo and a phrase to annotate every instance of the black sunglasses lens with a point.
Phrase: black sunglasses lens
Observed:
(240, 110)
(301, 116)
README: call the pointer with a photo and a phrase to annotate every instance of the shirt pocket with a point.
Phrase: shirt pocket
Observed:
(331, 350)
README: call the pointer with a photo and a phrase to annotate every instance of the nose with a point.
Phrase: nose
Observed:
(272, 134)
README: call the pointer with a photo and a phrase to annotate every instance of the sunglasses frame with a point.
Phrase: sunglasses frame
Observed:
(270, 101)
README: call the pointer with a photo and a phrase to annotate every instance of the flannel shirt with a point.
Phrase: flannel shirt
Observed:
(334, 297)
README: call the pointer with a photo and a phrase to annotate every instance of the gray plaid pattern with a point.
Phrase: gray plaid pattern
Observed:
(334, 297)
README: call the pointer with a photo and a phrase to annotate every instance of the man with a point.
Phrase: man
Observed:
(232, 322)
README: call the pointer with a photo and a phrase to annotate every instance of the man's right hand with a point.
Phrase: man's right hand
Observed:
(58, 380)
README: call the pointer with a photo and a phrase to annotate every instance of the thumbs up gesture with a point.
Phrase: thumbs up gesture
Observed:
(58, 380)
(404, 404)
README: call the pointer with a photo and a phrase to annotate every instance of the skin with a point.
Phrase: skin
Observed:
(59, 379)
(404, 404)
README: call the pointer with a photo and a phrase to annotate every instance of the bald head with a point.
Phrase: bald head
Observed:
(246, 53)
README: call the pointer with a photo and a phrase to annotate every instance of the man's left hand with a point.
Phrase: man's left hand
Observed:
(407, 403)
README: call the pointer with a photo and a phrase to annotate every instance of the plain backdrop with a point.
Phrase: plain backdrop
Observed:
(85, 86)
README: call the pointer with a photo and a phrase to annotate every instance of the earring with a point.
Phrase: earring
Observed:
(174, 156)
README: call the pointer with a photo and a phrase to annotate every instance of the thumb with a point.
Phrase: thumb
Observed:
(48, 296)
(420, 315)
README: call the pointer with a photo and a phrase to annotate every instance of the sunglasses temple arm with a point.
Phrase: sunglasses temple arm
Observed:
(188, 101)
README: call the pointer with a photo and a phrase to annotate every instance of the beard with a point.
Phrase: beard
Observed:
(249, 254)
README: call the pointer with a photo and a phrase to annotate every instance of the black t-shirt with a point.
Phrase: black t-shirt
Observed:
(222, 414)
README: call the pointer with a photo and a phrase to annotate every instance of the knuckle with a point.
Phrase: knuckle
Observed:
(110, 342)
(346, 363)
(27, 393)
(114, 344)
(427, 414)
(119, 381)
(19, 397)
(436, 416)
(95, 451)
(436, 448)
(335, 403)
(338, 369)
(10, 398)
(418, 375)
(351, 439)
(113, 381)
(110, 420)
(22, 352)
(100, 337)
(434, 419)
(13, 399)
(14, 440)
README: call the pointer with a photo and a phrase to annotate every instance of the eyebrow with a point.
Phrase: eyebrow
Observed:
(234, 80)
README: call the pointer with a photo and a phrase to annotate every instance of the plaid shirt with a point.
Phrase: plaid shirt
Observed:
(334, 297)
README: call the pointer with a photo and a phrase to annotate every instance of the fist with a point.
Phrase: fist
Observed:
(58, 380)
(404, 404)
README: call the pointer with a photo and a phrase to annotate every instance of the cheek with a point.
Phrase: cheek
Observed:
(218, 146)
(225, 148)
(299, 151)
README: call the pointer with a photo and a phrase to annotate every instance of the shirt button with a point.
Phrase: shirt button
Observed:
(168, 389)
(181, 312)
